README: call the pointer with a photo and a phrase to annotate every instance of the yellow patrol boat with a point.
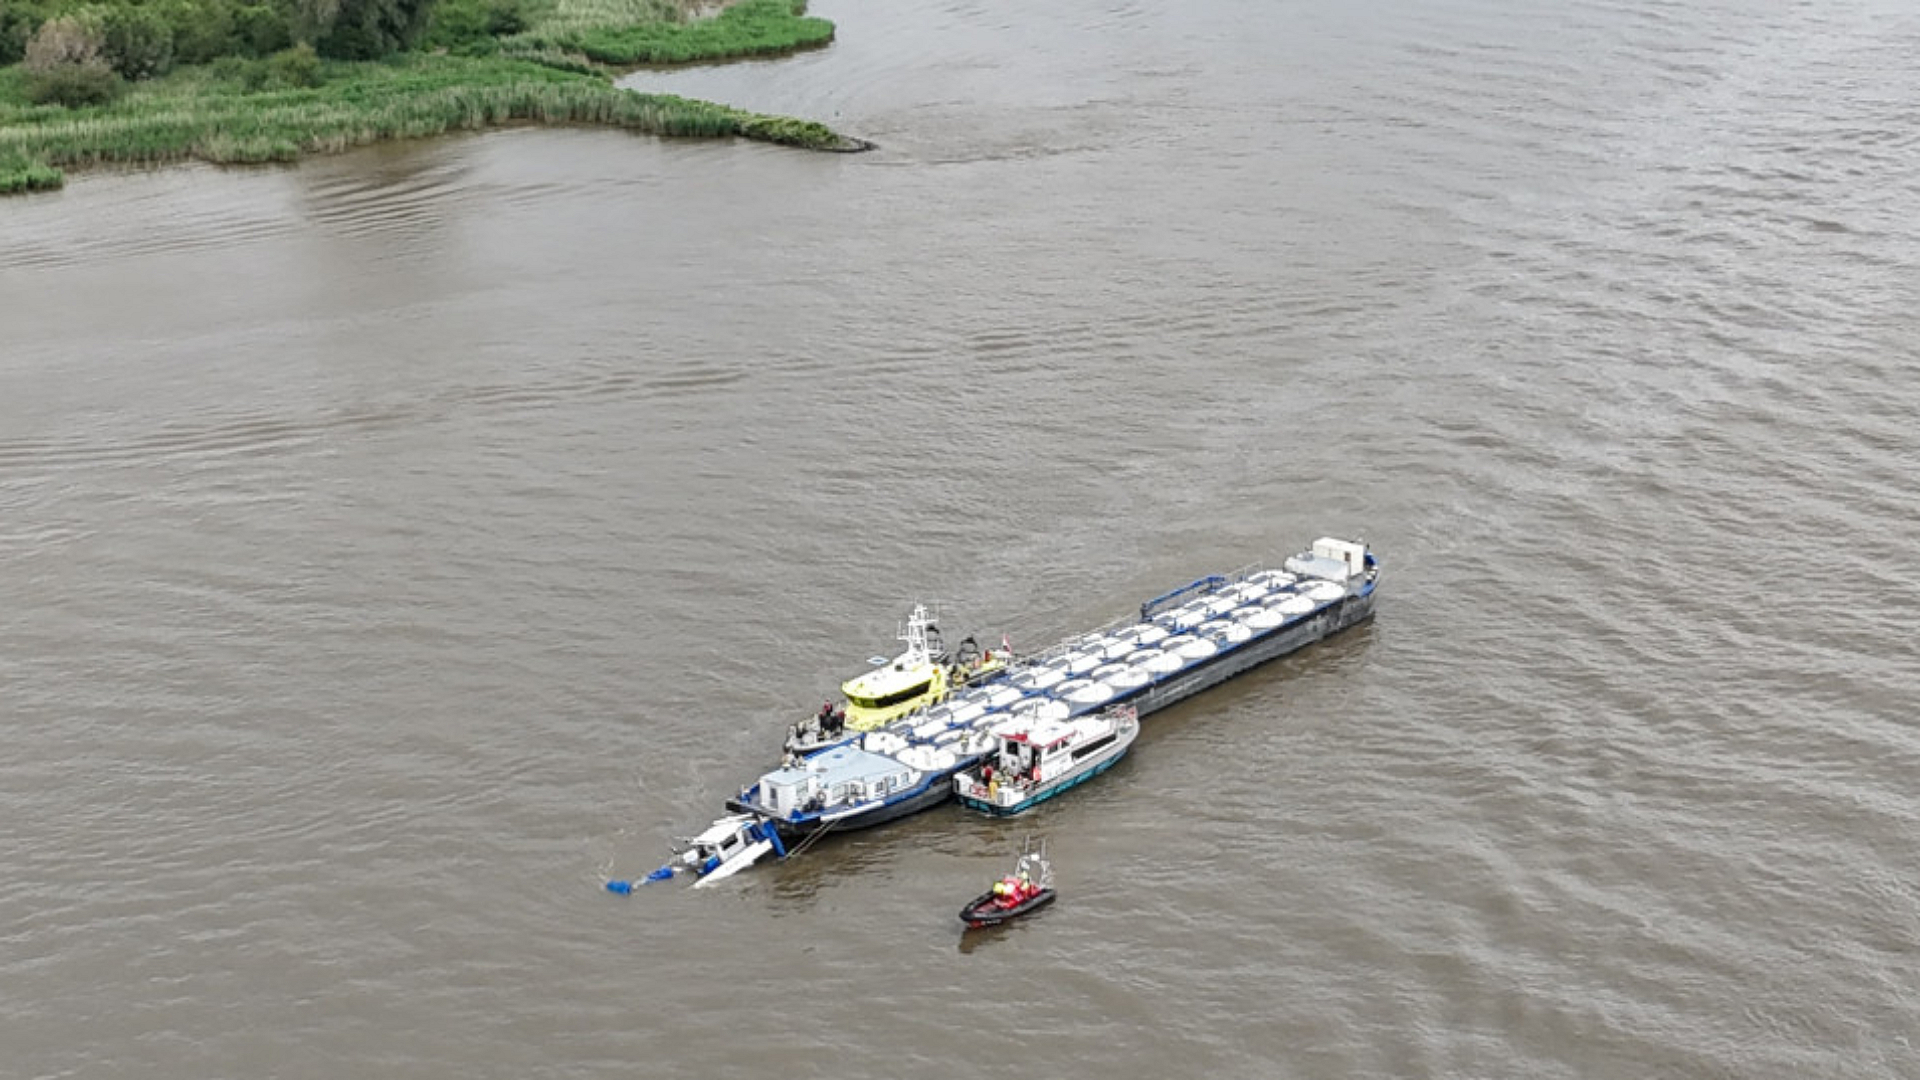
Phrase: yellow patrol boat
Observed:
(924, 674)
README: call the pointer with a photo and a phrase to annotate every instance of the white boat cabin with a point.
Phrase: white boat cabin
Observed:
(1331, 560)
(843, 775)
(1042, 750)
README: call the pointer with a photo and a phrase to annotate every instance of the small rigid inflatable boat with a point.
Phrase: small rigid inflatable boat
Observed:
(1028, 888)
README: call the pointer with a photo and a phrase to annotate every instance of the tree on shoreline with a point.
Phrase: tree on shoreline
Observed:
(142, 39)
(360, 29)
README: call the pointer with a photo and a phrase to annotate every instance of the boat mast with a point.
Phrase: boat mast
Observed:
(916, 636)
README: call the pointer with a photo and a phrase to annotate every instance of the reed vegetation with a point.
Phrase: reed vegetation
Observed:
(19, 173)
(238, 110)
(571, 16)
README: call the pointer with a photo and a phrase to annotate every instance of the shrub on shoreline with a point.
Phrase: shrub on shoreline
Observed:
(66, 63)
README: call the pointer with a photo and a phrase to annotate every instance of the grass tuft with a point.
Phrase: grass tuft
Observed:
(19, 173)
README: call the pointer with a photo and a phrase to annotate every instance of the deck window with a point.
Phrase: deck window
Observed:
(1094, 747)
(895, 698)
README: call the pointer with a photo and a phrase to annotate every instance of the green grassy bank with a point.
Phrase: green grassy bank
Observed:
(239, 111)
(624, 33)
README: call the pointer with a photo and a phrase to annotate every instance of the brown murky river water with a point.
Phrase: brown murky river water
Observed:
(394, 547)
